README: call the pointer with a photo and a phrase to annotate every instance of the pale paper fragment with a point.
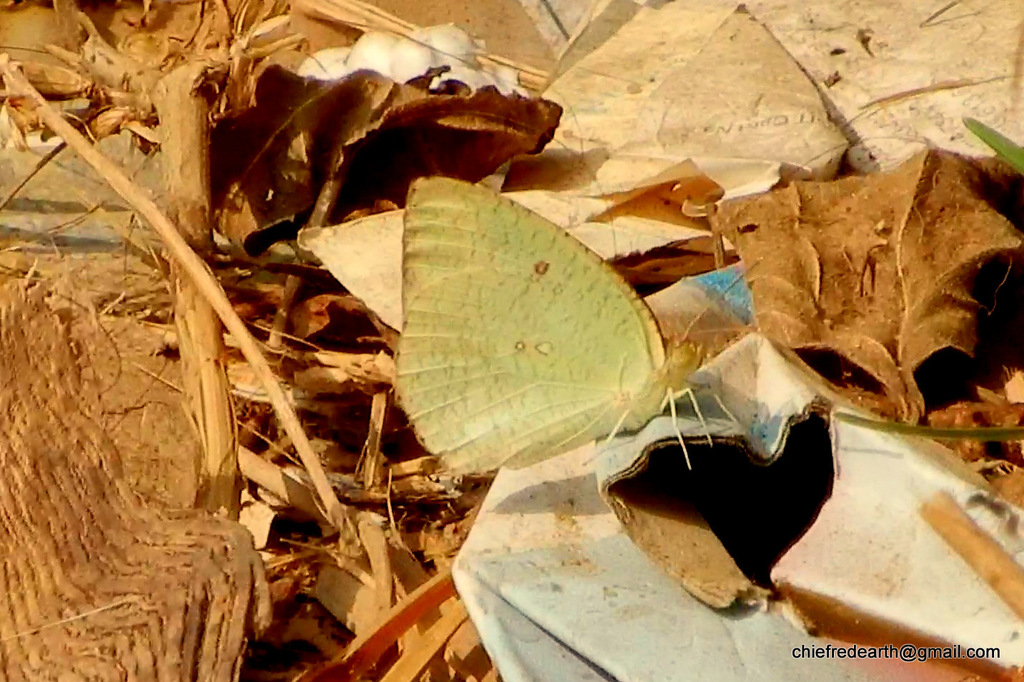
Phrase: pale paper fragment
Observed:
(696, 79)
(365, 255)
(966, 50)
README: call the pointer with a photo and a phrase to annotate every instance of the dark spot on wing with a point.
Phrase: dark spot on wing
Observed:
(541, 267)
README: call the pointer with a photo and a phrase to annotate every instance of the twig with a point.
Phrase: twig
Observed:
(981, 552)
(928, 89)
(391, 510)
(371, 463)
(275, 479)
(199, 25)
(367, 649)
(156, 377)
(47, 158)
(291, 289)
(198, 271)
(717, 241)
(938, 13)
(411, 665)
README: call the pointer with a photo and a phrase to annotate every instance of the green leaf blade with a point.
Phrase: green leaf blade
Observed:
(1003, 146)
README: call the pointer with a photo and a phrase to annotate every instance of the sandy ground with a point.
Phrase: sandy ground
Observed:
(118, 303)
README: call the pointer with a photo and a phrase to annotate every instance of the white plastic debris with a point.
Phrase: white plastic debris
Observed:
(327, 64)
(450, 43)
(410, 59)
(559, 590)
(446, 47)
(372, 52)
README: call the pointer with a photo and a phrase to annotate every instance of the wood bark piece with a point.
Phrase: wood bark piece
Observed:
(409, 575)
(371, 534)
(875, 275)
(200, 273)
(95, 585)
(372, 462)
(349, 599)
(283, 486)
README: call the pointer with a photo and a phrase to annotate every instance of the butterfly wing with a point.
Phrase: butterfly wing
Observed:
(519, 342)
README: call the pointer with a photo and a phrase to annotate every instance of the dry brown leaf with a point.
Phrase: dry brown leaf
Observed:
(56, 82)
(269, 162)
(338, 317)
(873, 275)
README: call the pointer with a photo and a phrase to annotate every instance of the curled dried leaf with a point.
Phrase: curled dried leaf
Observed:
(869, 277)
(373, 134)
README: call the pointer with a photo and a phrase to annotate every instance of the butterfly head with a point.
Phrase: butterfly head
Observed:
(682, 358)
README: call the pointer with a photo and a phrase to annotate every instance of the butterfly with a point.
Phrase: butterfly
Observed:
(518, 342)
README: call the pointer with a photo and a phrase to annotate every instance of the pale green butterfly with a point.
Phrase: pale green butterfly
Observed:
(519, 343)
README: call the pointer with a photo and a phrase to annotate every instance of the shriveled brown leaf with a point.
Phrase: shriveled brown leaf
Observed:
(873, 275)
(56, 82)
(337, 317)
(378, 136)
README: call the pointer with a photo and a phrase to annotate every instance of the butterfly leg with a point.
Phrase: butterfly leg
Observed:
(696, 409)
(670, 399)
(618, 425)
